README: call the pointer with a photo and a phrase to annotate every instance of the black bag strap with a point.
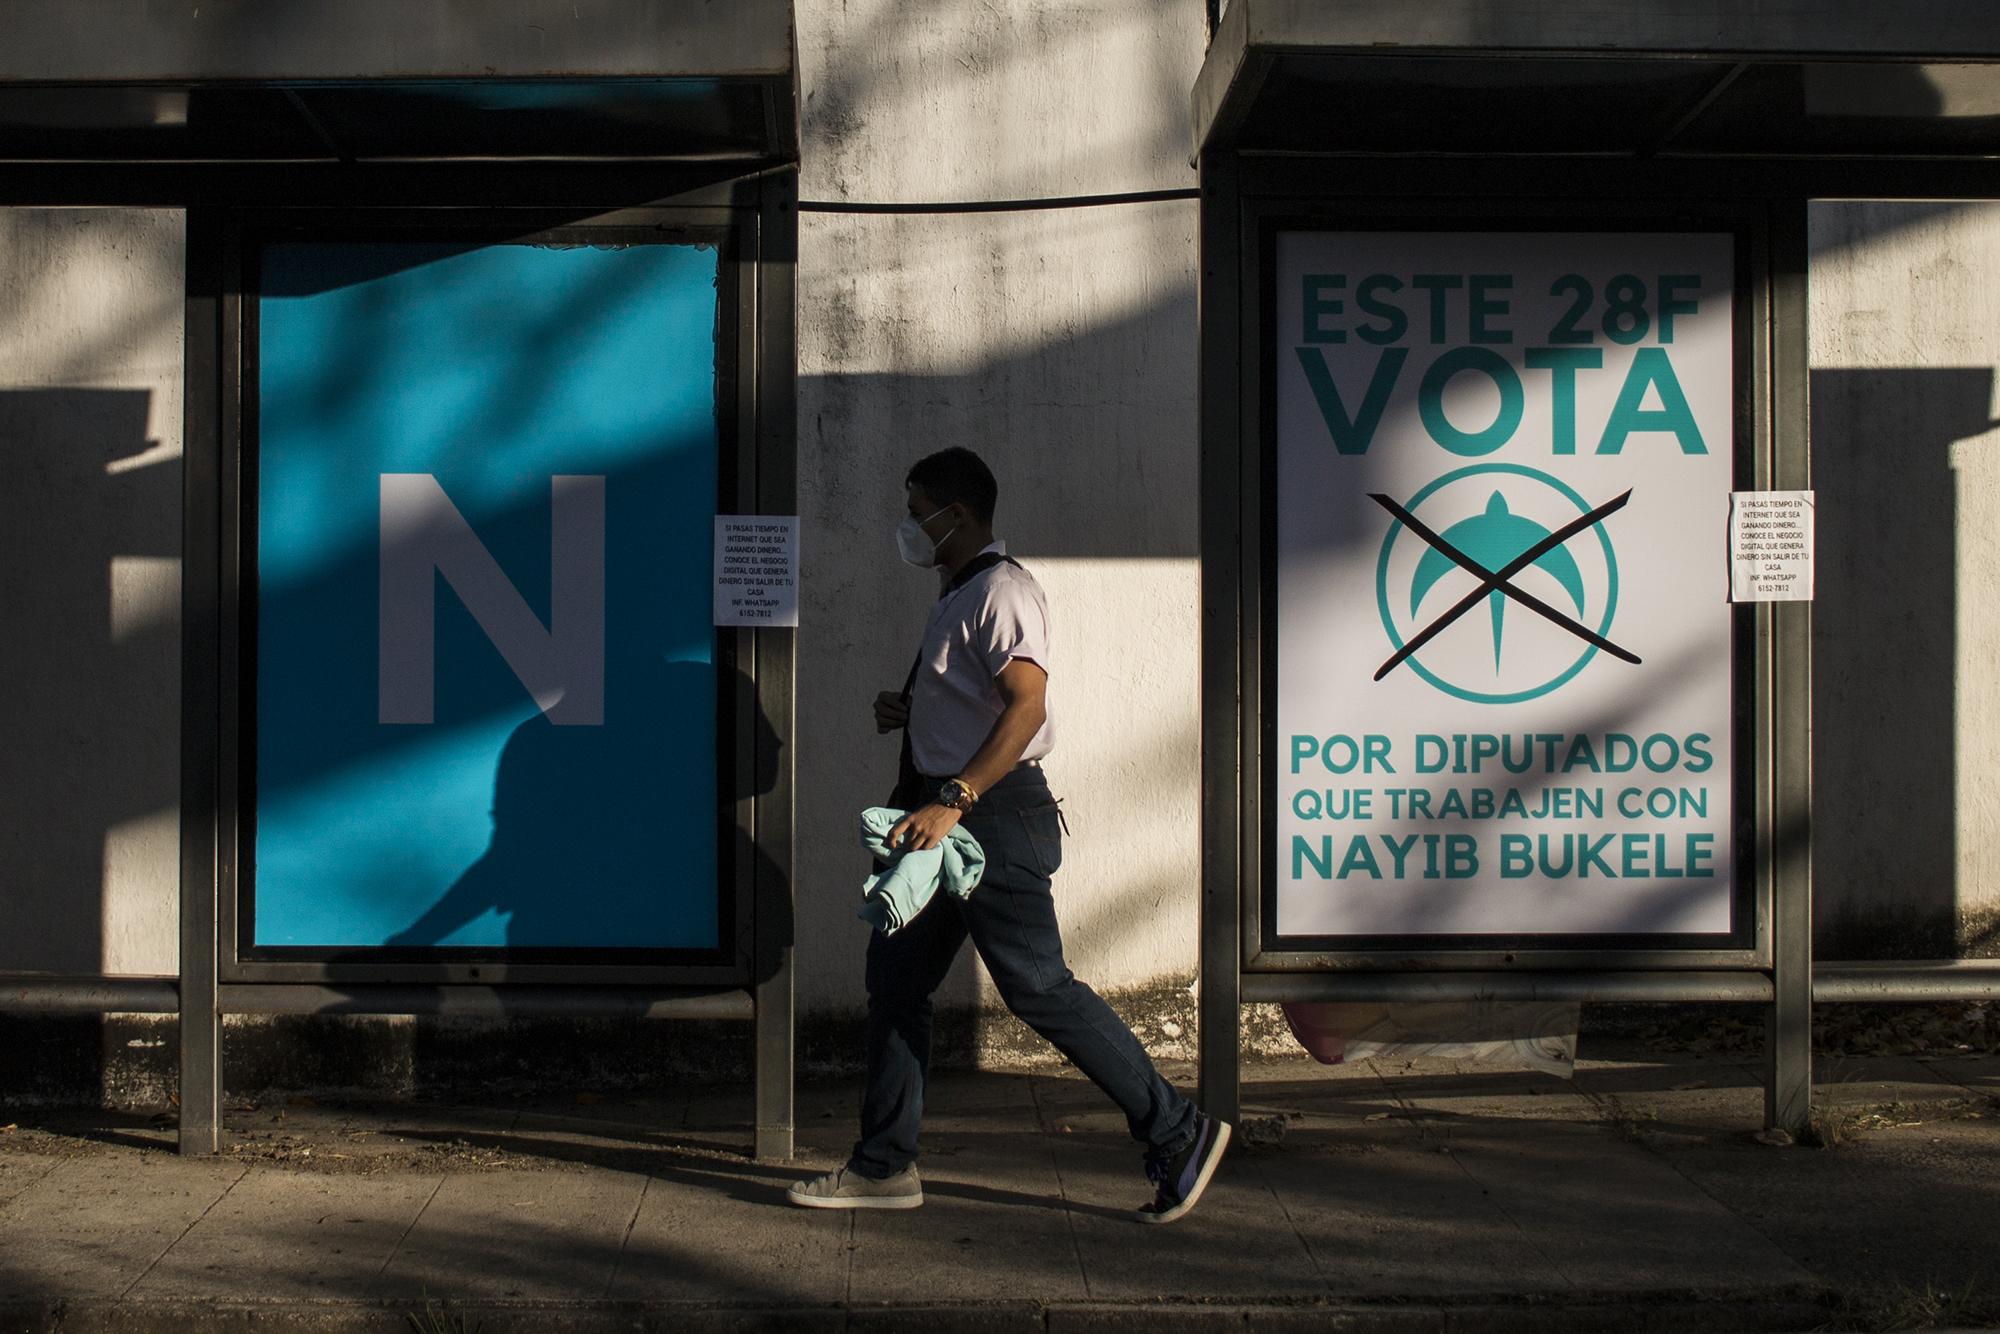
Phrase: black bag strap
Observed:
(908, 780)
(972, 569)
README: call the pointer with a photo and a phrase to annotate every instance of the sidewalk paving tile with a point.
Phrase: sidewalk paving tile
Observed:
(1611, 1214)
(1980, 1074)
(1425, 1184)
(1237, 1243)
(1329, 1095)
(1718, 1098)
(287, 1234)
(1901, 1206)
(715, 1227)
(517, 1234)
(1010, 1097)
(1384, 1213)
(17, 1174)
(1443, 1093)
(993, 1226)
(558, 1140)
(92, 1227)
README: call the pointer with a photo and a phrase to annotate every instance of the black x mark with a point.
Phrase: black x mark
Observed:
(1492, 580)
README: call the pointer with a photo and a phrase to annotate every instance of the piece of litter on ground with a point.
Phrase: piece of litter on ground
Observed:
(1376, 1116)
(1261, 1130)
(1776, 1138)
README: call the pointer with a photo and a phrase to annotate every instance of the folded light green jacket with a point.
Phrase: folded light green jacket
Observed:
(894, 895)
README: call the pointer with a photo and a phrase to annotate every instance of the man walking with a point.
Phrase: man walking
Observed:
(976, 728)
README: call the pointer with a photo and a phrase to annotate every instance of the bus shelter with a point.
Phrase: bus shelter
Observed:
(1507, 494)
(488, 327)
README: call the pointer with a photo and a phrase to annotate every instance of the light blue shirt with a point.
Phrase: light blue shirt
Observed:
(894, 895)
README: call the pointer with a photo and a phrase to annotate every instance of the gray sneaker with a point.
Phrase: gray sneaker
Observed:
(844, 1188)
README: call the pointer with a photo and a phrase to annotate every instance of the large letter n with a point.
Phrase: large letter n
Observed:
(423, 535)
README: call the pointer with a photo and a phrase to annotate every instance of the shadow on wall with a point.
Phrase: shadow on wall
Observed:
(83, 753)
(1885, 661)
(1092, 457)
(1092, 439)
(1882, 219)
(578, 833)
(564, 820)
(579, 827)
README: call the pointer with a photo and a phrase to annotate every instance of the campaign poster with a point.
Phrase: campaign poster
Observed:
(1503, 464)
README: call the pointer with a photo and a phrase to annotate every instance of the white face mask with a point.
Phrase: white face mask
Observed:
(915, 544)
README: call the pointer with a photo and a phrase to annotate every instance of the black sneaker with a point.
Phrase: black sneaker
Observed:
(1180, 1178)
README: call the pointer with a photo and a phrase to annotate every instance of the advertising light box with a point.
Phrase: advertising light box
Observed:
(1500, 475)
(485, 673)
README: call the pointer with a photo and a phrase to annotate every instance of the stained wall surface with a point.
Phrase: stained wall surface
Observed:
(90, 538)
(1060, 345)
(1906, 463)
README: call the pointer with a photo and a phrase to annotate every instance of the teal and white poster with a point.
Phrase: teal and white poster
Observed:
(1503, 636)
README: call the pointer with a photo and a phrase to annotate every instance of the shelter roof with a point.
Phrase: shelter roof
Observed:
(1787, 78)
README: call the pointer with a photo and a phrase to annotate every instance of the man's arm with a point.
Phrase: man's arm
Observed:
(892, 710)
(1023, 688)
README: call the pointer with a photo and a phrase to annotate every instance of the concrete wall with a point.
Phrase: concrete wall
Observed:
(1061, 345)
(90, 537)
(1906, 462)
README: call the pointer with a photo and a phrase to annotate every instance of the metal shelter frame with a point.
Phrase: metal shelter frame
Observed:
(1263, 155)
(509, 120)
(759, 210)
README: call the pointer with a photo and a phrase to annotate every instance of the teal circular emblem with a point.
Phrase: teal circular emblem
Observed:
(1486, 697)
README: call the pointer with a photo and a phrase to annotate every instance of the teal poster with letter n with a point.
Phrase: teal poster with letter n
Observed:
(485, 477)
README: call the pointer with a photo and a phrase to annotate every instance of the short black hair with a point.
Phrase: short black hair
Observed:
(957, 476)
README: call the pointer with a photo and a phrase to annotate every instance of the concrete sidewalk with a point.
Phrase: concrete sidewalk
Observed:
(1363, 1197)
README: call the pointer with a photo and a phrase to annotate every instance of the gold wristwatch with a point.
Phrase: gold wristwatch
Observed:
(957, 794)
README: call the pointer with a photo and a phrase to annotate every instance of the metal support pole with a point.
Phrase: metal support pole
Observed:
(46, 993)
(1788, 632)
(201, 612)
(1222, 562)
(777, 493)
(774, 1024)
(1917, 981)
(1432, 988)
(514, 1000)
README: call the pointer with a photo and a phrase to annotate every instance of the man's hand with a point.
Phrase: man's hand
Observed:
(891, 711)
(923, 828)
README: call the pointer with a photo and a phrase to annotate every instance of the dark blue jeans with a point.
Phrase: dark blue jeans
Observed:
(1011, 918)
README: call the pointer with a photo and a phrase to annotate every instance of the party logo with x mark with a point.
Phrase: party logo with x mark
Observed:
(1498, 583)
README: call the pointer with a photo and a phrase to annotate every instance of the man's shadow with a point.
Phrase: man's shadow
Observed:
(608, 836)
